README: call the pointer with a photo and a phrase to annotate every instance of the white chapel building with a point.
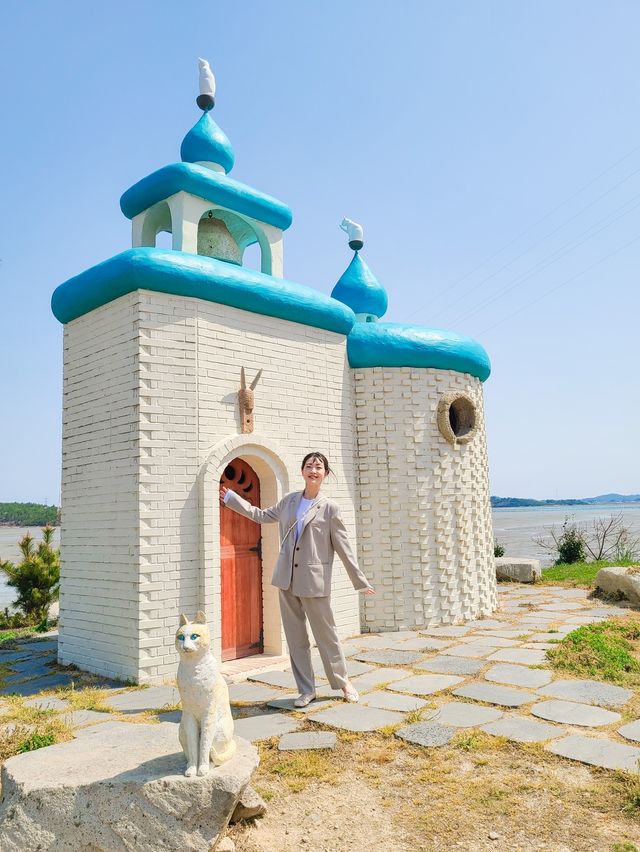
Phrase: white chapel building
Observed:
(161, 347)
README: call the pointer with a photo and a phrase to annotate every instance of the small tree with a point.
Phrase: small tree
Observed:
(609, 538)
(498, 549)
(567, 542)
(36, 577)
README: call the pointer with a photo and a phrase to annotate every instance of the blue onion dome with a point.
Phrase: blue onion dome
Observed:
(206, 142)
(361, 291)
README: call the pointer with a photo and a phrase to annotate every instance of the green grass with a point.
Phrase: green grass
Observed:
(36, 741)
(579, 573)
(603, 651)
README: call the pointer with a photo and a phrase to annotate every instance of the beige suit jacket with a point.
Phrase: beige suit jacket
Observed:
(305, 565)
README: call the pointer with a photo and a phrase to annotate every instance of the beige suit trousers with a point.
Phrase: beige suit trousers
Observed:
(295, 611)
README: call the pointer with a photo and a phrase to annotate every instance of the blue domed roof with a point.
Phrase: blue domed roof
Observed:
(206, 142)
(386, 344)
(360, 289)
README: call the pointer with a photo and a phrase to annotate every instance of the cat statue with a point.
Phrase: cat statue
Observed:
(206, 727)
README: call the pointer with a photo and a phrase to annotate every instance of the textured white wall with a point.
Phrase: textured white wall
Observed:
(180, 361)
(100, 525)
(425, 533)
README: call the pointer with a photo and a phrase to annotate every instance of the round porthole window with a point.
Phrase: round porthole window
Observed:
(457, 419)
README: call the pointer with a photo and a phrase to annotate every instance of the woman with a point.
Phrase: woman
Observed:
(311, 530)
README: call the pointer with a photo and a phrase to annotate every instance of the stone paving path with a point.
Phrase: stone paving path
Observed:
(490, 675)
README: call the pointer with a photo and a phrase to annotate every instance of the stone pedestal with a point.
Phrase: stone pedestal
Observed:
(118, 786)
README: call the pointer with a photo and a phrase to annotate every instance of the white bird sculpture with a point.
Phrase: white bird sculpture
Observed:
(207, 80)
(354, 232)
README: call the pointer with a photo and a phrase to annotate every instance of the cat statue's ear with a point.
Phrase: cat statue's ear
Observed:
(183, 619)
(200, 618)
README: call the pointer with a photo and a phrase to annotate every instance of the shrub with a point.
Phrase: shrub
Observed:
(36, 577)
(571, 547)
(498, 549)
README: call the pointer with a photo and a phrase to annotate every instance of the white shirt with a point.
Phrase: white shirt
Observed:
(303, 508)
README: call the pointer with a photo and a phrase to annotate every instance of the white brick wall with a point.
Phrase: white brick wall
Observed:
(424, 524)
(99, 540)
(160, 375)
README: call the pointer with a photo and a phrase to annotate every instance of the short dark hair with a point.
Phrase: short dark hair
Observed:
(320, 456)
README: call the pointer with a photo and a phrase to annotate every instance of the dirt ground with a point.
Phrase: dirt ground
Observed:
(480, 792)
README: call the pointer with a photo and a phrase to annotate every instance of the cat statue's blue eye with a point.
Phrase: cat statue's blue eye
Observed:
(194, 636)
(181, 637)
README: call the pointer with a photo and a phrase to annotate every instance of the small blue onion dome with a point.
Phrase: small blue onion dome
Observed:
(206, 142)
(360, 290)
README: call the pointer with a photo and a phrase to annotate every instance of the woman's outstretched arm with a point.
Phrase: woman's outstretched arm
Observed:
(243, 507)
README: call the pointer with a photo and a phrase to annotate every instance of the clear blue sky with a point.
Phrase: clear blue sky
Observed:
(491, 150)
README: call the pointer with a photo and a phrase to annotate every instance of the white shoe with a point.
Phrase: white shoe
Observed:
(351, 695)
(304, 699)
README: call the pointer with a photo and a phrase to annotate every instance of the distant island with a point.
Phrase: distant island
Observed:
(514, 502)
(28, 515)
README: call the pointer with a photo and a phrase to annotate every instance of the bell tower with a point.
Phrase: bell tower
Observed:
(205, 211)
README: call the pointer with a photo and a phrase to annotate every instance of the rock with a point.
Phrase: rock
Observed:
(520, 570)
(618, 580)
(493, 835)
(250, 806)
(121, 786)
(226, 845)
(428, 734)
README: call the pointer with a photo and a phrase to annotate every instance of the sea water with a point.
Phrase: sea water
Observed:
(514, 529)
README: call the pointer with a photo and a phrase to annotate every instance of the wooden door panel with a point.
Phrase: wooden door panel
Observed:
(241, 568)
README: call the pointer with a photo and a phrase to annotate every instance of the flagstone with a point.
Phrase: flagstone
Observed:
(306, 740)
(317, 704)
(506, 634)
(430, 644)
(483, 623)
(354, 668)
(38, 646)
(472, 649)
(40, 684)
(428, 734)
(255, 693)
(588, 692)
(8, 657)
(153, 698)
(447, 630)
(597, 752)
(549, 636)
(389, 657)
(357, 717)
(444, 664)
(561, 606)
(572, 713)
(81, 718)
(459, 714)
(28, 670)
(502, 695)
(284, 679)
(631, 731)
(490, 639)
(422, 644)
(520, 655)
(425, 684)
(377, 677)
(393, 701)
(522, 730)
(264, 726)
(518, 676)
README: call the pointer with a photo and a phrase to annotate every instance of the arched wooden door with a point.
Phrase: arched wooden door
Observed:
(241, 568)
